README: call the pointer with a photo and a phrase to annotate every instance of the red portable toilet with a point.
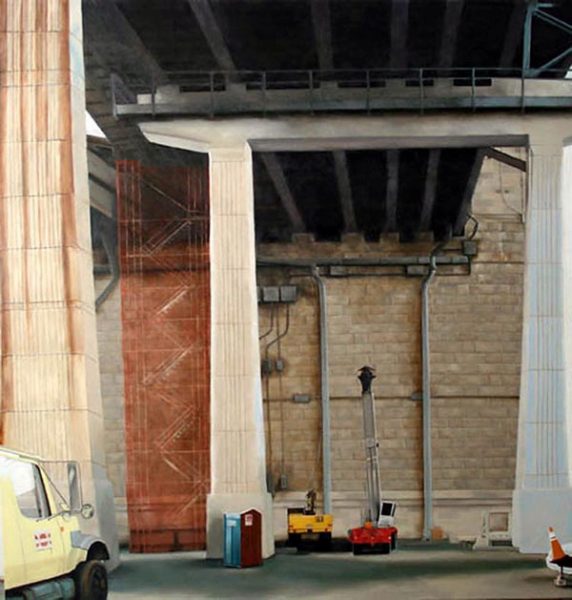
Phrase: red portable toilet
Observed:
(243, 539)
(251, 538)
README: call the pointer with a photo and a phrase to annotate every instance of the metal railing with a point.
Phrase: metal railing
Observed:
(313, 84)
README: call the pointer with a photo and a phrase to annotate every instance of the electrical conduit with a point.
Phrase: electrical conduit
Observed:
(426, 383)
(325, 391)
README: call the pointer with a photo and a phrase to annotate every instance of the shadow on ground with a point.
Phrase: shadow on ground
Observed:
(290, 574)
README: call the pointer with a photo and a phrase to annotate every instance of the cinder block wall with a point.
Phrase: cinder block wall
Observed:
(475, 337)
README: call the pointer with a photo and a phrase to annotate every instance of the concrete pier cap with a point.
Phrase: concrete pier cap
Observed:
(543, 491)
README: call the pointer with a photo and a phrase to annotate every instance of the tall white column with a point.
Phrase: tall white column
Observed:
(237, 426)
(543, 496)
(50, 399)
(567, 252)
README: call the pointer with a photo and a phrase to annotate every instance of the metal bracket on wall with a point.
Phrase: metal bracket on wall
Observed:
(268, 294)
(106, 229)
(301, 398)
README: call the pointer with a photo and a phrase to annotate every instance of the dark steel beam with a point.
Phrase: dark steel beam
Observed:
(555, 61)
(527, 37)
(430, 191)
(399, 29)
(513, 35)
(506, 159)
(565, 58)
(552, 20)
(109, 34)
(276, 173)
(203, 12)
(100, 169)
(299, 144)
(465, 205)
(392, 189)
(450, 32)
(125, 137)
(101, 197)
(323, 33)
(344, 186)
(111, 45)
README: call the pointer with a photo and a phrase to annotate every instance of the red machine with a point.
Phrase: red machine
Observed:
(378, 533)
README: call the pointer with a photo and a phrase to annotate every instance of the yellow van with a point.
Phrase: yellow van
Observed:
(46, 555)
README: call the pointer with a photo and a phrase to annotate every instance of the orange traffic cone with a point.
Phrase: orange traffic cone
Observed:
(555, 546)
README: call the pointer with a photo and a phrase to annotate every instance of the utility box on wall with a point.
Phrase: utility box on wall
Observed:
(243, 539)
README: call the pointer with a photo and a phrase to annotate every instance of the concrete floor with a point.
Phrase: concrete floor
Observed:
(413, 572)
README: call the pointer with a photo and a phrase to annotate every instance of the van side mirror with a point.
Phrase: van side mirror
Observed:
(87, 511)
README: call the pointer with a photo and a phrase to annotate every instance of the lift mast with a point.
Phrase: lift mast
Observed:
(366, 376)
(377, 533)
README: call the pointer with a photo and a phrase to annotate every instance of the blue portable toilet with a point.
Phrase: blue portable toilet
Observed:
(243, 539)
(231, 540)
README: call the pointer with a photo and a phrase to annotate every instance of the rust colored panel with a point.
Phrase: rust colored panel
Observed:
(165, 287)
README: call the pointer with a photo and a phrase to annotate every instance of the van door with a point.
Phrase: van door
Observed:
(40, 532)
(14, 572)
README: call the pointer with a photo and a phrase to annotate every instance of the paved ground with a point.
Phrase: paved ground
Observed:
(411, 573)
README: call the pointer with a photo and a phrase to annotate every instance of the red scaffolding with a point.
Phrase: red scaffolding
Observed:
(163, 217)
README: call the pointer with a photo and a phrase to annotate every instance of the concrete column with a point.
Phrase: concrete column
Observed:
(50, 394)
(2, 571)
(543, 495)
(237, 426)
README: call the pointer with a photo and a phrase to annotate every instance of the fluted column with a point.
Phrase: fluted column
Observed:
(237, 427)
(50, 396)
(543, 495)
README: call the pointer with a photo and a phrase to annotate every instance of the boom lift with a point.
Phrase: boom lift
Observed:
(377, 532)
(46, 555)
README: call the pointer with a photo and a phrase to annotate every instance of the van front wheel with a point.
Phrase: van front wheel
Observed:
(91, 581)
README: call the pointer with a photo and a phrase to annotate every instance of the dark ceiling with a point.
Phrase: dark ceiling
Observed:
(280, 34)
(312, 181)
(327, 194)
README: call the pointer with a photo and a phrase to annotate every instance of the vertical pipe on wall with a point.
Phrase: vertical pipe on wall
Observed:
(426, 383)
(325, 391)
